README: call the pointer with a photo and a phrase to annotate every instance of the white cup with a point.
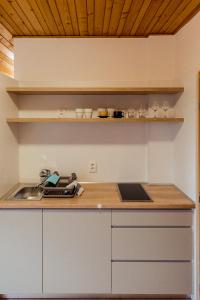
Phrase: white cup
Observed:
(88, 113)
(111, 112)
(79, 113)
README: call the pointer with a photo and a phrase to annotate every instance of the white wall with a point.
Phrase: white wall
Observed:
(188, 67)
(8, 138)
(186, 154)
(123, 152)
(95, 61)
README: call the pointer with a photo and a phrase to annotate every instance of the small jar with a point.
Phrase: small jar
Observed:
(102, 112)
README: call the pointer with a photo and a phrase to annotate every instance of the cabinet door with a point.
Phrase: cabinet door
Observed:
(20, 251)
(77, 251)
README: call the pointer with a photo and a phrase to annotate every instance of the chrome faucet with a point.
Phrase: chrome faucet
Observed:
(44, 173)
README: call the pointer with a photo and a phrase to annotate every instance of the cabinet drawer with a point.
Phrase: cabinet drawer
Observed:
(152, 218)
(152, 278)
(151, 243)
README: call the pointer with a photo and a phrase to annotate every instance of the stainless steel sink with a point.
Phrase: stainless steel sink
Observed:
(27, 193)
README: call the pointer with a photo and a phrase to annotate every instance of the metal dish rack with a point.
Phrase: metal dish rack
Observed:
(61, 190)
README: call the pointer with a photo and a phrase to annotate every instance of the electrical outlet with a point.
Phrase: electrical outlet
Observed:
(92, 166)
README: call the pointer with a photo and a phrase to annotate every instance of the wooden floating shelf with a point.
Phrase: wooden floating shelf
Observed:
(92, 120)
(94, 90)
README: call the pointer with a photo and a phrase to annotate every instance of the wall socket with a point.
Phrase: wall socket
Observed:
(92, 166)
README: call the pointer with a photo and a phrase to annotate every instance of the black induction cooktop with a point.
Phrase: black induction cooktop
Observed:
(133, 192)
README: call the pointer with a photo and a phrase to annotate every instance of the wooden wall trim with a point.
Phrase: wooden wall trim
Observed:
(6, 52)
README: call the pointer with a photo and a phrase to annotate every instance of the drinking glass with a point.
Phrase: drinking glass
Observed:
(62, 112)
(165, 108)
(155, 109)
(140, 112)
(131, 113)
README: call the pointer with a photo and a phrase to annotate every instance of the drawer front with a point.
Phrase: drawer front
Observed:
(152, 218)
(152, 278)
(151, 244)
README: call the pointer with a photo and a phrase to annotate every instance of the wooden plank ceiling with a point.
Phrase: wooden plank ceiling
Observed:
(96, 17)
(88, 18)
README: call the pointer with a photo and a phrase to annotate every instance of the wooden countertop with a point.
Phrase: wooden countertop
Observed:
(106, 196)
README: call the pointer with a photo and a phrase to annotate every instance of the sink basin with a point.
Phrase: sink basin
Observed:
(27, 193)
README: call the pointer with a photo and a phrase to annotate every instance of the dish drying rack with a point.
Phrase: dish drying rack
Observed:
(66, 187)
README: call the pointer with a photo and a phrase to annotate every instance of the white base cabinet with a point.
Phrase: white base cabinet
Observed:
(76, 251)
(20, 251)
(60, 251)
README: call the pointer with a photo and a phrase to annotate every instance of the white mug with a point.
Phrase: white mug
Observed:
(79, 112)
(111, 112)
(88, 113)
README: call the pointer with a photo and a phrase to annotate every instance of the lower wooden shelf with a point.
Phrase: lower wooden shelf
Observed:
(92, 120)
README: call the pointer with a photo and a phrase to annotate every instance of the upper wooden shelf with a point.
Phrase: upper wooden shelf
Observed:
(92, 120)
(94, 90)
